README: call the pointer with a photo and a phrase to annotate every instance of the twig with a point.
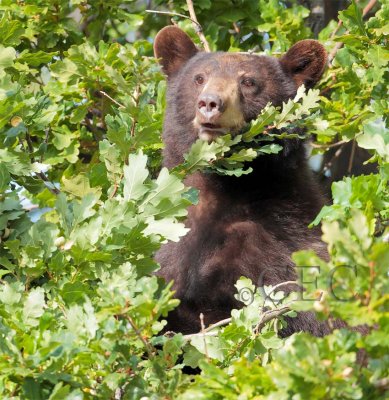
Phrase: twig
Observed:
(274, 288)
(173, 14)
(136, 99)
(30, 147)
(197, 26)
(268, 316)
(218, 324)
(368, 7)
(267, 296)
(46, 141)
(328, 165)
(203, 332)
(137, 331)
(328, 146)
(326, 89)
(333, 34)
(372, 276)
(30, 207)
(109, 97)
(192, 335)
(339, 45)
(115, 187)
(52, 187)
(352, 155)
(207, 331)
(333, 52)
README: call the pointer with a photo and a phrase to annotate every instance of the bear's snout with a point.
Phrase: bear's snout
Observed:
(209, 106)
(209, 112)
(218, 107)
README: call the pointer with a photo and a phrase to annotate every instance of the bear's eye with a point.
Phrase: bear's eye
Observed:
(199, 79)
(248, 82)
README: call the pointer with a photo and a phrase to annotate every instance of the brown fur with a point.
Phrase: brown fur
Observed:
(246, 226)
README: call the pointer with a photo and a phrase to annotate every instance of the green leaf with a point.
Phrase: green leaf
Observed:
(200, 154)
(273, 148)
(375, 137)
(33, 307)
(352, 18)
(378, 56)
(270, 340)
(135, 174)
(7, 56)
(60, 392)
(263, 120)
(11, 293)
(79, 186)
(37, 58)
(212, 346)
(167, 228)
(167, 186)
(5, 178)
(10, 31)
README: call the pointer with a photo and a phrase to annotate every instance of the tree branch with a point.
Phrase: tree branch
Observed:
(329, 145)
(172, 14)
(274, 288)
(269, 315)
(51, 187)
(203, 332)
(110, 98)
(197, 26)
(218, 324)
(266, 317)
(352, 155)
(368, 7)
(328, 165)
(148, 346)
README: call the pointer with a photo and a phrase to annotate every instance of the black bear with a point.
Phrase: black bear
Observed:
(246, 226)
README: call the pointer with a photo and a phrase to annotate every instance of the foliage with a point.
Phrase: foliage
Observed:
(84, 205)
(227, 155)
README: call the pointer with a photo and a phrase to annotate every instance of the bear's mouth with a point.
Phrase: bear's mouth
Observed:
(210, 132)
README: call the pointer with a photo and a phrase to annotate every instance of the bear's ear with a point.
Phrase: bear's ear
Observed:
(174, 48)
(305, 61)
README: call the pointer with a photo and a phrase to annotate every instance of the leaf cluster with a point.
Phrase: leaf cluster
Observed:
(228, 154)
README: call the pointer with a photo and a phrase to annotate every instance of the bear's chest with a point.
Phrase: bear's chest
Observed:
(228, 241)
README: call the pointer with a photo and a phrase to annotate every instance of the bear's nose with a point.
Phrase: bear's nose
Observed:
(210, 105)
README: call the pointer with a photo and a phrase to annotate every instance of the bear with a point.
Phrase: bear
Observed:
(242, 226)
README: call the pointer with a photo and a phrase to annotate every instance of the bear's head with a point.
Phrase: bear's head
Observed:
(210, 94)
